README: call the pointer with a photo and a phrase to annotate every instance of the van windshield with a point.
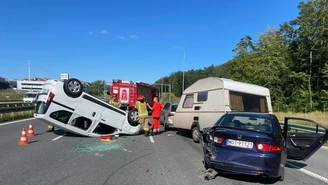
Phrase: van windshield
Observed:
(30, 95)
(248, 102)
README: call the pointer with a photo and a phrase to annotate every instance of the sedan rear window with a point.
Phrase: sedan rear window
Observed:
(259, 124)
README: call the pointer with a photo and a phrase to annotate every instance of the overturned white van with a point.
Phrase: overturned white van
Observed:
(66, 106)
(205, 101)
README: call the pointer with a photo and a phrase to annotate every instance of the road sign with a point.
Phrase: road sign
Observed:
(64, 76)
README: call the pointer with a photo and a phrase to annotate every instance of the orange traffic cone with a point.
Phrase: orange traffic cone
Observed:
(23, 140)
(30, 130)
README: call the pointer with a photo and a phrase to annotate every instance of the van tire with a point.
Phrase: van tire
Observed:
(195, 133)
(73, 87)
(133, 117)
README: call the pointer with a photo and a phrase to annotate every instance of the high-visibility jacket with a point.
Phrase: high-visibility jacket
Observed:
(142, 109)
(115, 103)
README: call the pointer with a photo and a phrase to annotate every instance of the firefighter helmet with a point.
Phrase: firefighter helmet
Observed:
(140, 97)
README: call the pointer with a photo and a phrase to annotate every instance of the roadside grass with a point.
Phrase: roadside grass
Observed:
(317, 116)
(15, 115)
(9, 94)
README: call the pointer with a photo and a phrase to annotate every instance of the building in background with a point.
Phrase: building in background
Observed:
(34, 84)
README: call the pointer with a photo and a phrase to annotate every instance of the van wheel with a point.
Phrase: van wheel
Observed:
(73, 87)
(196, 134)
(133, 117)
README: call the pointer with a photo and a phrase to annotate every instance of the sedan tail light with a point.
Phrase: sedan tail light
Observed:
(268, 148)
(171, 114)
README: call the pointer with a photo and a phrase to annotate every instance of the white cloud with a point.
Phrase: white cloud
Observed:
(91, 33)
(104, 32)
(122, 37)
(133, 37)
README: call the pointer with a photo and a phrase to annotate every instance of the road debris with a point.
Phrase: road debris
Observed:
(98, 154)
(127, 150)
(98, 147)
(210, 174)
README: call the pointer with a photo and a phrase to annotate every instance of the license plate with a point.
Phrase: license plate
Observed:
(237, 143)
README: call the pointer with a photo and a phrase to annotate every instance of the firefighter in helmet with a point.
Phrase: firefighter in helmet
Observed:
(114, 101)
(143, 114)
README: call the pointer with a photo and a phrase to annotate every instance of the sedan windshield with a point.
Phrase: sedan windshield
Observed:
(248, 122)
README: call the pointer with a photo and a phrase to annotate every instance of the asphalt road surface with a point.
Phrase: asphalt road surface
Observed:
(169, 159)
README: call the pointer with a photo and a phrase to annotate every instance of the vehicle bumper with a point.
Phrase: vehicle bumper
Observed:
(243, 163)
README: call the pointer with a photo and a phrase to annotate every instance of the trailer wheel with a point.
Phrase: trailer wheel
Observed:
(73, 87)
(133, 117)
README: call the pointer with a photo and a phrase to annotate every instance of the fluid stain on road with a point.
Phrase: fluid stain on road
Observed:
(98, 147)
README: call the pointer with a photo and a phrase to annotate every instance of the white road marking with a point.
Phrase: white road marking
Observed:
(308, 172)
(17, 121)
(54, 139)
(151, 139)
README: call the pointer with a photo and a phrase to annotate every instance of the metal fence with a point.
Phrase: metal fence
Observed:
(15, 107)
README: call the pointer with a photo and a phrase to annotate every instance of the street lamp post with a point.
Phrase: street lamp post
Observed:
(183, 70)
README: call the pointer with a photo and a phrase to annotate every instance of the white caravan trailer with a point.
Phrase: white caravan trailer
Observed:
(205, 101)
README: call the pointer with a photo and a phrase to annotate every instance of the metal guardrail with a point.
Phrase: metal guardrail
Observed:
(304, 128)
(1, 101)
(16, 107)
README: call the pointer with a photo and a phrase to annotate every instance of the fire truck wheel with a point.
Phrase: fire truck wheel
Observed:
(133, 117)
(73, 87)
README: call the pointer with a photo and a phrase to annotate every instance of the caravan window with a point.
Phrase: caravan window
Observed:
(202, 96)
(248, 102)
(189, 101)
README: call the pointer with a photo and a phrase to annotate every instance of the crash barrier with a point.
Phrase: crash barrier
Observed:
(15, 107)
(5, 101)
(304, 128)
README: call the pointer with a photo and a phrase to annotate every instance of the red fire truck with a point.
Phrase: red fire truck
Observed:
(127, 92)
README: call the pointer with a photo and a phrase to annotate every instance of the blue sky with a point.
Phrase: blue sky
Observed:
(127, 39)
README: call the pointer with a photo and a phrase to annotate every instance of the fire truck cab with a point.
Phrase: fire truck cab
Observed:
(127, 92)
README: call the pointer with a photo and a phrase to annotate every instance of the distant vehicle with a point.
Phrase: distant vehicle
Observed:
(30, 97)
(66, 106)
(209, 98)
(254, 144)
(167, 114)
(127, 92)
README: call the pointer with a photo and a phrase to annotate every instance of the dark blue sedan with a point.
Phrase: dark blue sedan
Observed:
(255, 143)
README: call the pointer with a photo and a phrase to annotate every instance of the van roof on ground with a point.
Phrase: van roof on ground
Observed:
(213, 83)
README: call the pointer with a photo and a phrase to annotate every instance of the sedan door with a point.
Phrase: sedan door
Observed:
(303, 137)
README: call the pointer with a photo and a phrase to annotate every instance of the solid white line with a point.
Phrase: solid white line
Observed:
(151, 139)
(308, 172)
(17, 121)
(58, 137)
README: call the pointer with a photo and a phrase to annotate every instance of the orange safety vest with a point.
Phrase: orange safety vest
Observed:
(142, 109)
